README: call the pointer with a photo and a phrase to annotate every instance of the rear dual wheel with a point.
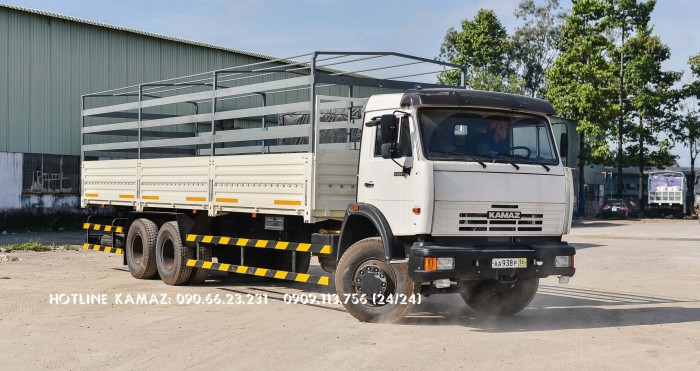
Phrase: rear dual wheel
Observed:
(150, 251)
(200, 275)
(140, 248)
(172, 255)
(107, 240)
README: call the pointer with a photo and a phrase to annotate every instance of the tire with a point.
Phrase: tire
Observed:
(172, 255)
(369, 253)
(501, 299)
(140, 249)
(106, 240)
(200, 275)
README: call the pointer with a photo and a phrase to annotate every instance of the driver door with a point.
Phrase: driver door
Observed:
(382, 183)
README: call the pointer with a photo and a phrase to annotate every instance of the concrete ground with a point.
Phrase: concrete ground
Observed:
(633, 304)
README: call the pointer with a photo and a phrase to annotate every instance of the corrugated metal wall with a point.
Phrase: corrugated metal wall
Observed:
(47, 63)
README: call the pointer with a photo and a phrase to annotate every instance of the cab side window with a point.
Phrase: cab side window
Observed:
(404, 140)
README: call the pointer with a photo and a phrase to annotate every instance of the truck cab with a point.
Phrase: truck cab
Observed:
(464, 215)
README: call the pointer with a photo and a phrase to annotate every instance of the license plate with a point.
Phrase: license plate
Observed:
(614, 208)
(509, 263)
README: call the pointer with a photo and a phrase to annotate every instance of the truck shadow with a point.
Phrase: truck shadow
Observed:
(560, 308)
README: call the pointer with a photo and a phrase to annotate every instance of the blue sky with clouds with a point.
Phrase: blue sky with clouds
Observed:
(286, 28)
(290, 27)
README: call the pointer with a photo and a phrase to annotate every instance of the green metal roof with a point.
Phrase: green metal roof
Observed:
(125, 29)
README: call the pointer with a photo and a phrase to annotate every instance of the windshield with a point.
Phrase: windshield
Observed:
(467, 135)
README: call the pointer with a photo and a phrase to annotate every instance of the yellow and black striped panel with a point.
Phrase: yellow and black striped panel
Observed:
(263, 244)
(105, 228)
(109, 249)
(261, 272)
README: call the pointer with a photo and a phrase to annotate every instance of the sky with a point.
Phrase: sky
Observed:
(284, 28)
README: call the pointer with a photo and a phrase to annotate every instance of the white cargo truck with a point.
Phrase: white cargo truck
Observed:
(696, 196)
(667, 193)
(401, 188)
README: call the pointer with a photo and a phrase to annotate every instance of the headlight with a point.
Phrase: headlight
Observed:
(563, 261)
(445, 264)
(431, 263)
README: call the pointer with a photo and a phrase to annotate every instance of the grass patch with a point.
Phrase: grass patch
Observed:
(36, 246)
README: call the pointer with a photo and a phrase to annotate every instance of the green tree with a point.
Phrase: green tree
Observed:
(623, 18)
(534, 43)
(651, 101)
(580, 82)
(660, 157)
(687, 132)
(687, 125)
(692, 89)
(483, 47)
(609, 79)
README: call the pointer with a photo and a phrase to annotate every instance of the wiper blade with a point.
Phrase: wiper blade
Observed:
(527, 161)
(500, 157)
(539, 163)
(469, 157)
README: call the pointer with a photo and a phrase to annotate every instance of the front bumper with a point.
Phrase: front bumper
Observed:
(474, 262)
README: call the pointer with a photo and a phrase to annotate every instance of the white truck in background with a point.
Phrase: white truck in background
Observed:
(666, 194)
(696, 196)
(252, 169)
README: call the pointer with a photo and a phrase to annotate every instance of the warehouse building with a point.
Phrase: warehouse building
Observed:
(47, 61)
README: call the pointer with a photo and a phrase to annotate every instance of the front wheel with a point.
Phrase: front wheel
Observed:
(363, 275)
(501, 299)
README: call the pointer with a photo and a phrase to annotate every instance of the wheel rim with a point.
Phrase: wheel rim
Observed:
(373, 277)
(137, 249)
(168, 254)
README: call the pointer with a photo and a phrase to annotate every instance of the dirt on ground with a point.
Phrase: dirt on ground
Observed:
(634, 303)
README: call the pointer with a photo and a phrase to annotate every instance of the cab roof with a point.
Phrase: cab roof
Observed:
(476, 98)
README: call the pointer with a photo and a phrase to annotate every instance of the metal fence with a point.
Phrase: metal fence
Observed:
(262, 107)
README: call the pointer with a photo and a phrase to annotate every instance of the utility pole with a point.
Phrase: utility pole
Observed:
(641, 164)
(621, 118)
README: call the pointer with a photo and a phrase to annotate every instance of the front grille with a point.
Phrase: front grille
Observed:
(479, 222)
(472, 218)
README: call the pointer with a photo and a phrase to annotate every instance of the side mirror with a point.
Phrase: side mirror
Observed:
(389, 128)
(391, 150)
(564, 145)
